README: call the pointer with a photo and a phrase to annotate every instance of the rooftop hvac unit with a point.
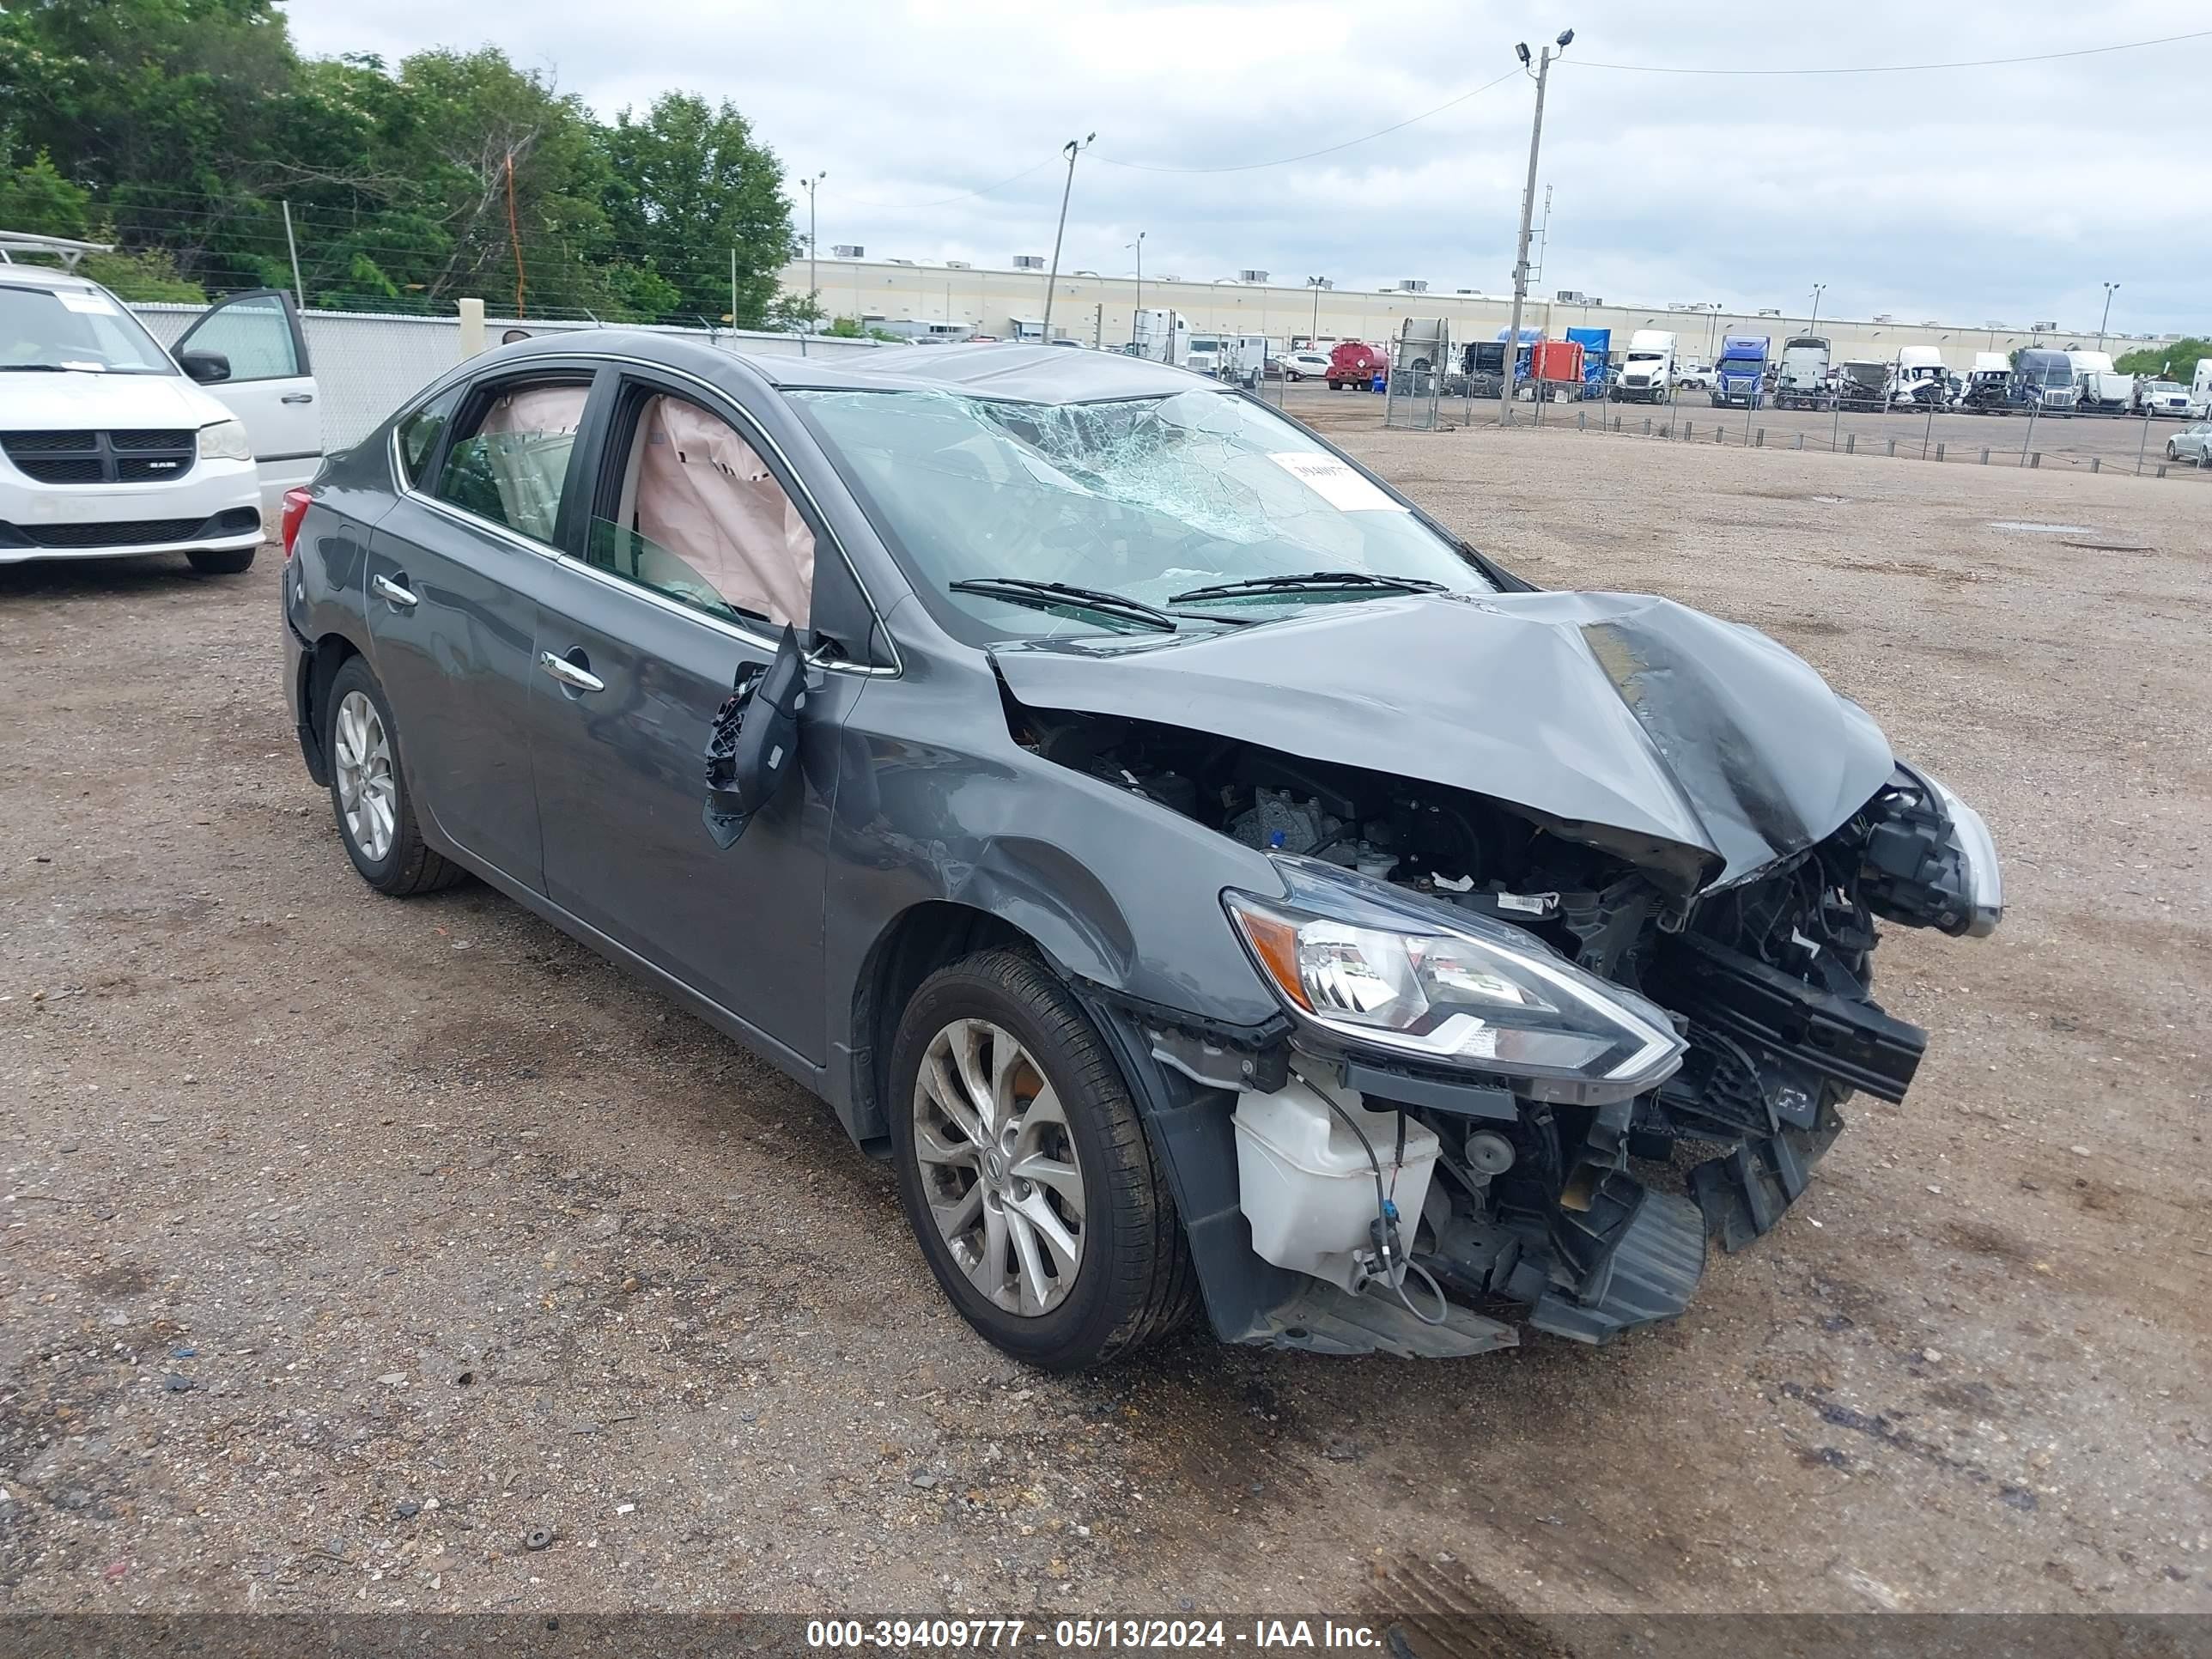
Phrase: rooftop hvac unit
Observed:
(1412, 285)
(956, 264)
(1884, 317)
(1251, 275)
(1028, 262)
(1466, 291)
(1568, 296)
(1768, 311)
(1993, 323)
(848, 251)
(895, 261)
(1594, 301)
(1931, 322)
(2043, 327)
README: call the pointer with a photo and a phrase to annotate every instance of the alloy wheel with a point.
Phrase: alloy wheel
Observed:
(998, 1167)
(368, 791)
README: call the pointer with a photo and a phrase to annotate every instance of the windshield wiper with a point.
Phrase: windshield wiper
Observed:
(1050, 596)
(33, 368)
(1314, 581)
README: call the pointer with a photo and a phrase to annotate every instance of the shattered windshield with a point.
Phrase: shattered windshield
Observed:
(1145, 498)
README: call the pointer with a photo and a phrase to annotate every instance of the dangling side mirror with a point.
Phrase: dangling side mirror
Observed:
(755, 740)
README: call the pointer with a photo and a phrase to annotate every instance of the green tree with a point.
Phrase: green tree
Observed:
(688, 187)
(186, 128)
(37, 200)
(2176, 359)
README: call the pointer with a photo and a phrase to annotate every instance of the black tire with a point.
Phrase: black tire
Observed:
(222, 560)
(1136, 1282)
(408, 866)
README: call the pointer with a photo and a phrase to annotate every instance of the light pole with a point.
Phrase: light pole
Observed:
(1312, 338)
(2111, 289)
(813, 249)
(1136, 309)
(1527, 212)
(1818, 289)
(1072, 149)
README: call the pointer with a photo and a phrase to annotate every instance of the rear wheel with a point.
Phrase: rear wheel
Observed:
(222, 560)
(1024, 1171)
(368, 790)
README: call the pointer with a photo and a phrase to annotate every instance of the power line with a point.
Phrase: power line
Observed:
(1900, 69)
(1330, 150)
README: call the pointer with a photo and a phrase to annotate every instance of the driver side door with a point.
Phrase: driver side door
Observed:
(271, 387)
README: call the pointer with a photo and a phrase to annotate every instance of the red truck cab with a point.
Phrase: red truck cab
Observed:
(1354, 363)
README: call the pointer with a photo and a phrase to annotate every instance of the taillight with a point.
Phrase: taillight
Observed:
(296, 508)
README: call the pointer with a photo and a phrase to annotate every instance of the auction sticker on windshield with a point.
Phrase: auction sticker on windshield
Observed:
(1335, 482)
(91, 305)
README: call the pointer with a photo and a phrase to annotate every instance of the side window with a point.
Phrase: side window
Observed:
(420, 432)
(702, 520)
(255, 334)
(510, 461)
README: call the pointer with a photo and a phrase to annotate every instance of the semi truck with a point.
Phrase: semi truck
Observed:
(2043, 380)
(1598, 366)
(1863, 383)
(1161, 336)
(1803, 382)
(2099, 385)
(1989, 383)
(1921, 377)
(1740, 377)
(1647, 372)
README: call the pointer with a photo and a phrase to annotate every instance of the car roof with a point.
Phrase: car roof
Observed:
(1023, 373)
(21, 276)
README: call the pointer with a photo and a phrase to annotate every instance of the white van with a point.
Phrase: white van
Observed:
(110, 446)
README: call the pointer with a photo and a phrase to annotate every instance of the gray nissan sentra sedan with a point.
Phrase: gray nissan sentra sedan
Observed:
(1209, 881)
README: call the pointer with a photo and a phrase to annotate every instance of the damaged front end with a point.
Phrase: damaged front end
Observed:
(1530, 1065)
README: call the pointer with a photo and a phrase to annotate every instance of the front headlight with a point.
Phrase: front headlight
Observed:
(1978, 852)
(225, 441)
(1383, 969)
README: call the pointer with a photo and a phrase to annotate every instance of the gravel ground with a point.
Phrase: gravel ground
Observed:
(345, 1244)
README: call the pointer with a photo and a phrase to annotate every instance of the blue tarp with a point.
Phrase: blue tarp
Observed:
(1597, 352)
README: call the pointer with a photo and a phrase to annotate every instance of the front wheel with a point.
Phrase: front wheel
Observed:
(222, 560)
(1024, 1171)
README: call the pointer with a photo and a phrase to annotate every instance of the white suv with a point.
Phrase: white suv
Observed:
(109, 445)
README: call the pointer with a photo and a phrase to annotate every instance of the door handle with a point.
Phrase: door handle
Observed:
(297, 397)
(395, 592)
(576, 678)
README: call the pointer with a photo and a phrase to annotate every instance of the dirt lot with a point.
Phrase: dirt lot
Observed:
(2110, 442)
(345, 1242)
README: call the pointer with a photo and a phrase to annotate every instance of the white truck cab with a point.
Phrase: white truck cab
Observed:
(110, 446)
(1647, 372)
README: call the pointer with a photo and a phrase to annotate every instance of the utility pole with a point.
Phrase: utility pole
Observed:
(1528, 213)
(1137, 307)
(2111, 289)
(293, 248)
(1072, 149)
(1818, 289)
(1544, 239)
(814, 247)
(1313, 339)
(734, 287)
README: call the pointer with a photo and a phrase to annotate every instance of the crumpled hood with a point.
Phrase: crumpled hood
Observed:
(1616, 712)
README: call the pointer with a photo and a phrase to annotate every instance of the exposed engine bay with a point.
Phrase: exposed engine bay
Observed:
(1455, 1188)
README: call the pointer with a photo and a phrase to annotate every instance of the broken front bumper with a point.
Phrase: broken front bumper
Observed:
(1579, 1239)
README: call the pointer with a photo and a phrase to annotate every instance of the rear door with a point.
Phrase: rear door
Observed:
(271, 389)
(453, 574)
(697, 551)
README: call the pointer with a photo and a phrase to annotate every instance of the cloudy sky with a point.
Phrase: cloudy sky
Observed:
(2010, 193)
